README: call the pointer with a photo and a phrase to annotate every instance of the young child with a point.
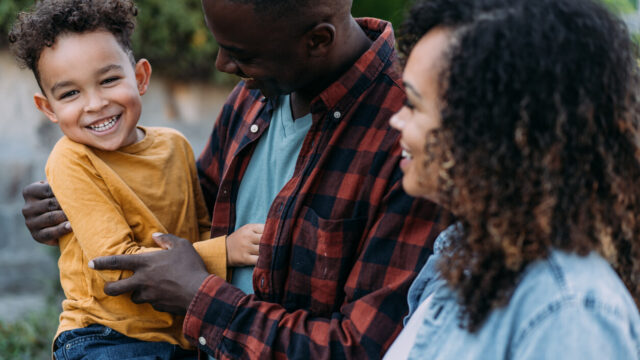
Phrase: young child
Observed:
(118, 183)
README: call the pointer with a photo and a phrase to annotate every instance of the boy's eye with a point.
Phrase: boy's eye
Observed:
(110, 80)
(68, 94)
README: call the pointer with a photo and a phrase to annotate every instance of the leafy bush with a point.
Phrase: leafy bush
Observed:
(171, 34)
(621, 6)
(30, 338)
(390, 10)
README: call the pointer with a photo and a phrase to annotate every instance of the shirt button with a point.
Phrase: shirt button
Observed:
(202, 341)
(337, 115)
(254, 128)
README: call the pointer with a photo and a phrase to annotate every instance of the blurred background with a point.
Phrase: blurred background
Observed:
(186, 93)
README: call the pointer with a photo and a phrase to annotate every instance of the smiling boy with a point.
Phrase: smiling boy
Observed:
(119, 183)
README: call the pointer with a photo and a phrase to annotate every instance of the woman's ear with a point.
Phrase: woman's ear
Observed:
(43, 104)
(321, 39)
(143, 74)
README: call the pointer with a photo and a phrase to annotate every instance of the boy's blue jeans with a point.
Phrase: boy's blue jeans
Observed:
(101, 343)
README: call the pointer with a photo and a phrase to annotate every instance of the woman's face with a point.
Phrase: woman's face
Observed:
(421, 113)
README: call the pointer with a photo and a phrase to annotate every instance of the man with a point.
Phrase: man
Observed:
(341, 242)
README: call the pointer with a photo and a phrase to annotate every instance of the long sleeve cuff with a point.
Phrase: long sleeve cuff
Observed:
(210, 313)
(214, 254)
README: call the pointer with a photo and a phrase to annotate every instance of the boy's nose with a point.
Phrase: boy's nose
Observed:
(95, 102)
(224, 63)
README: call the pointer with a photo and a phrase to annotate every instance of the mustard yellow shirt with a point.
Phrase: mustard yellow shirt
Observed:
(115, 200)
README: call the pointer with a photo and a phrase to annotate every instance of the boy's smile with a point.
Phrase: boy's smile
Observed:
(92, 90)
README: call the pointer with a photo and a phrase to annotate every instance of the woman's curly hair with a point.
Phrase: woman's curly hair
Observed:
(48, 19)
(539, 143)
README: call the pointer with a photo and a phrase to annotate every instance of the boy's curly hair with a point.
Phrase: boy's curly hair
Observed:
(539, 143)
(48, 19)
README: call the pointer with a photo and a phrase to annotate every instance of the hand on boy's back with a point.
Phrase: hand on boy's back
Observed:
(168, 280)
(42, 214)
(243, 245)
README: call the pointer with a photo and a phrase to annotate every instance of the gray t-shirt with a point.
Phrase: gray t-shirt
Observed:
(270, 168)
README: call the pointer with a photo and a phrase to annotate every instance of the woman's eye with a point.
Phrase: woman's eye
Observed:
(408, 104)
(68, 94)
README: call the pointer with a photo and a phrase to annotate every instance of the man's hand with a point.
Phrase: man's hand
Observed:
(243, 245)
(168, 280)
(42, 214)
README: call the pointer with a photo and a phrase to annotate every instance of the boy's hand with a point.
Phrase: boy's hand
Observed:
(42, 214)
(243, 245)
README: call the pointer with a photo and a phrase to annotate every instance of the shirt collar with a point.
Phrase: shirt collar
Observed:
(348, 88)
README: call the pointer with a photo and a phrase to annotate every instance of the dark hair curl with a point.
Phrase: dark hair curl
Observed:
(40, 26)
(539, 140)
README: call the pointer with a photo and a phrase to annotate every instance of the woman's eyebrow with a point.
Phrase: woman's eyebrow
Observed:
(410, 88)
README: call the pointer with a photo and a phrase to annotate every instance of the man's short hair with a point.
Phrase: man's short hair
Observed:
(276, 7)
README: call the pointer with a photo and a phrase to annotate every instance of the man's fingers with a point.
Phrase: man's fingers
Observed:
(120, 287)
(34, 208)
(48, 219)
(37, 190)
(117, 262)
(50, 235)
(166, 241)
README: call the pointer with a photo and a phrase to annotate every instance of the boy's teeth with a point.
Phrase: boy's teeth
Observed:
(105, 125)
(406, 154)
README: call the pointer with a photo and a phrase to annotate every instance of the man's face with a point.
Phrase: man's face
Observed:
(266, 53)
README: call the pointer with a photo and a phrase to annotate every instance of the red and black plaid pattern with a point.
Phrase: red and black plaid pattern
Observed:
(342, 241)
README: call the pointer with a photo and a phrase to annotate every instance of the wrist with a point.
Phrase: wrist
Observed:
(193, 287)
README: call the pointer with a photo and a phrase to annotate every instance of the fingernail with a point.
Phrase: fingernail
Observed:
(91, 265)
(67, 226)
(158, 234)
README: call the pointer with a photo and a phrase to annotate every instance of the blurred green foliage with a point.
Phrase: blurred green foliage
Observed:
(32, 337)
(390, 10)
(173, 36)
(621, 6)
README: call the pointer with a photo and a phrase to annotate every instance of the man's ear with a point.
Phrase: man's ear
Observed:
(321, 39)
(143, 74)
(42, 103)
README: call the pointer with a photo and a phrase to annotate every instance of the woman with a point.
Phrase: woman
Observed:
(522, 119)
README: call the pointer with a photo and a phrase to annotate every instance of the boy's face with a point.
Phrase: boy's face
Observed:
(92, 90)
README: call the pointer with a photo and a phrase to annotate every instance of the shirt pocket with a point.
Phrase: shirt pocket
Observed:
(324, 252)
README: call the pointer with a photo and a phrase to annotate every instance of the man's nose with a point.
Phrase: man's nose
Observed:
(224, 63)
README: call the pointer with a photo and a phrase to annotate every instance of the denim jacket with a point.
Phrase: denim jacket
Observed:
(564, 307)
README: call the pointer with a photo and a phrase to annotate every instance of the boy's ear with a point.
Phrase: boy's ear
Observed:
(42, 103)
(321, 39)
(143, 74)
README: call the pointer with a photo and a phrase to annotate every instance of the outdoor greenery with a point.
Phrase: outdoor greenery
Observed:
(173, 36)
(31, 338)
(622, 6)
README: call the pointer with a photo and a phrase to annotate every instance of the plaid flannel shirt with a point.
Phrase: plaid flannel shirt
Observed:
(342, 241)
